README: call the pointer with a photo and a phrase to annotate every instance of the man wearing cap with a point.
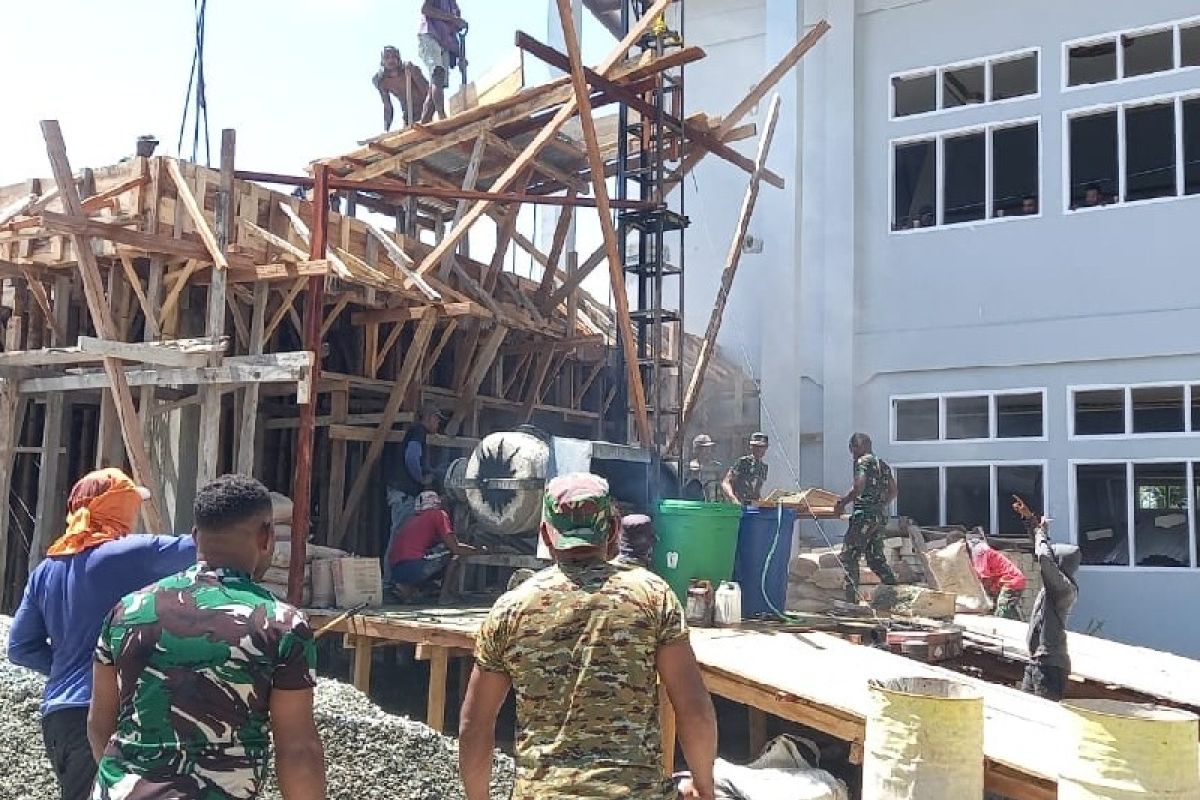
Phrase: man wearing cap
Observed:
(86, 571)
(424, 548)
(636, 543)
(704, 473)
(744, 482)
(583, 644)
(874, 487)
(415, 474)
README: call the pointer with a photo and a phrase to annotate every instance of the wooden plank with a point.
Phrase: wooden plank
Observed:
(136, 284)
(362, 664)
(756, 738)
(38, 290)
(469, 180)
(412, 359)
(152, 352)
(338, 308)
(336, 498)
(98, 201)
(89, 270)
(637, 392)
(17, 207)
(339, 267)
(407, 313)
(535, 385)
(435, 711)
(575, 185)
(403, 263)
(196, 213)
(732, 259)
(436, 353)
(249, 411)
(10, 432)
(114, 232)
(285, 306)
(561, 229)
(358, 433)
(768, 81)
(274, 368)
(50, 498)
(482, 363)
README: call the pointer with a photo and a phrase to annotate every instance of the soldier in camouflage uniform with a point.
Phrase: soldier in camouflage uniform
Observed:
(191, 672)
(744, 482)
(874, 487)
(583, 644)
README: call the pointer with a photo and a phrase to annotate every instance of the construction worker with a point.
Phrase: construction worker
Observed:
(86, 571)
(874, 488)
(583, 645)
(1049, 661)
(192, 671)
(441, 50)
(425, 548)
(1001, 578)
(637, 540)
(415, 475)
(704, 473)
(744, 481)
(403, 81)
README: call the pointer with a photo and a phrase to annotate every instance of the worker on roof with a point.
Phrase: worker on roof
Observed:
(1001, 578)
(441, 50)
(1049, 661)
(744, 481)
(415, 474)
(404, 81)
(191, 672)
(86, 571)
(424, 548)
(583, 644)
(874, 488)
(704, 473)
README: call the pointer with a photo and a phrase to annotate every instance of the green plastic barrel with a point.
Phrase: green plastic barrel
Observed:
(695, 540)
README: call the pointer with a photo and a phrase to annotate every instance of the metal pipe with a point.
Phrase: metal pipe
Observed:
(314, 301)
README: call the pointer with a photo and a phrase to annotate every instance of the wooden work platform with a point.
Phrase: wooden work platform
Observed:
(814, 679)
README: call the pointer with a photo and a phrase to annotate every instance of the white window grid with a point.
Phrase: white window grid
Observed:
(993, 417)
(1191, 391)
(1177, 98)
(1192, 468)
(1175, 26)
(938, 73)
(993, 483)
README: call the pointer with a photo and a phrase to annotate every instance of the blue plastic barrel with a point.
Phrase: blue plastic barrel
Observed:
(764, 546)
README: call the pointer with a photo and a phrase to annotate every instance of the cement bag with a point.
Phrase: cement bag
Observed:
(951, 566)
(780, 772)
(357, 580)
(280, 575)
(323, 595)
(283, 553)
(279, 590)
(281, 508)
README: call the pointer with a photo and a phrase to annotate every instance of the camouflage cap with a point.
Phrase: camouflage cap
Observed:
(759, 437)
(578, 511)
(703, 440)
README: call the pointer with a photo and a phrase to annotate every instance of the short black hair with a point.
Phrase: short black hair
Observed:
(861, 440)
(228, 500)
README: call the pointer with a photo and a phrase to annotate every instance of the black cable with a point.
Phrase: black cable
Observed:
(197, 81)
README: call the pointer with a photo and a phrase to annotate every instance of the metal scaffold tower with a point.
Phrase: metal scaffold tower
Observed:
(650, 150)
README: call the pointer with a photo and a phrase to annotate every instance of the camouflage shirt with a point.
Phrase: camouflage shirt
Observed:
(578, 642)
(704, 481)
(749, 475)
(197, 655)
(878, 476)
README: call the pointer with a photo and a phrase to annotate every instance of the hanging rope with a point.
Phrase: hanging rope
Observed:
(197, 102)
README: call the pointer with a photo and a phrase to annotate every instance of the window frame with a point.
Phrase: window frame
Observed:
(939, 138)
(1191, 471)
(1174, 26)
(993, 420)
(938, 71)
(993, 482)
(1189, 386)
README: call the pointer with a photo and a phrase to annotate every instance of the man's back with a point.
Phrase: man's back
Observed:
(579, 643)
(197, 656)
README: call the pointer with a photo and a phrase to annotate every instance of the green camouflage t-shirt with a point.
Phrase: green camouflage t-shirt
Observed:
(197, 655)
(579, 643)
(749, 475)
(878, 476)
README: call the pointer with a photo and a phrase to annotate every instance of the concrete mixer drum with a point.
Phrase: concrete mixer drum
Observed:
(503, 481)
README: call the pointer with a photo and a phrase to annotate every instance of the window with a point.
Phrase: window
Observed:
(963, 195)
(1191, 146)
(969, 494)
(1102, 519)
(914, 95)
(1133, 54)
(1093, 159)
(1136, 410)
(1100, 412)
(1147, 53)
(1150, 152)
(955, 417)
(1189, 45)
(990, 80)
(1195, 390)
(1092, 63)
(1158, 409)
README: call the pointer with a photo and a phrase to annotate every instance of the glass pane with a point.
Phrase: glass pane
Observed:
(1196, 410)
(1102, 503)
(967, 418)
(1018, 416)
(962, 86)
(1150, 152)
(969, 497)
(965, 178)
(916, 198)
(917, 420)
(917, 494)
(915, 95)
(1147, 53)
(1024, 482)
(1099, 412)
(1093, 160)
(1160, 516)
(1015, 77)
(1194, 503)
(1158, 409)
(1189, 46)
(1015, 171)
(1191, 146)
(1092, 63)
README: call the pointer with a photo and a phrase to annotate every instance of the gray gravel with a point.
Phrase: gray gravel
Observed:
(369, 754)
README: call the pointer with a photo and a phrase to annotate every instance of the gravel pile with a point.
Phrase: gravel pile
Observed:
(369, 754)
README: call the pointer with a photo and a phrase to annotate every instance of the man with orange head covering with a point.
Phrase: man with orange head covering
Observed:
(86, 572)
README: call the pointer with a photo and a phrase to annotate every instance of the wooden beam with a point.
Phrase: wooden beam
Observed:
(637, 392)
(338, 308)
(575, 185)
(415, 312)
(403, 263)
(469, 181)
(10, 432)
(249, 410)
(339, 267)
(195, 211)
(535, 386)
(732, 259)
(181, 283)
(561, 229)
(136, 284)
(180, 353)
(50, 498)
(412, 358)
(89, 270)
(435, 710)
(17, 207)
(101, 199)
(768, 81)
(431, 361)
(572, 282)
(358, 433)
(483, 361)
(271, 368)
(284, 307)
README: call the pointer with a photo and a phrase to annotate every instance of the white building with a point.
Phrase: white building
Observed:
(986, 258)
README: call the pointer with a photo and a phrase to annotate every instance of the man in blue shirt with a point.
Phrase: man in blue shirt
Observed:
(415, 475)
(86, 572)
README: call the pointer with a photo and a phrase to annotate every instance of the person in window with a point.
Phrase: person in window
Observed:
(1029, 205)
(1001, 578)
(744, 482)
(415, 474)
(704, 472)
(424, 548)
(1049, 662)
